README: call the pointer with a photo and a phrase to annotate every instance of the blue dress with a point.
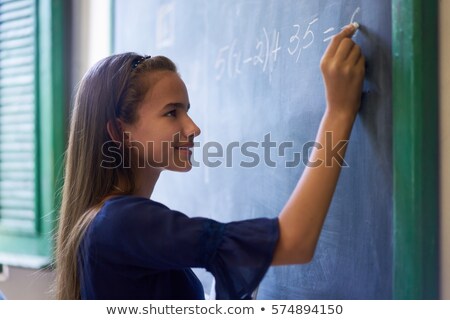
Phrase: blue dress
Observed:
(136, 248)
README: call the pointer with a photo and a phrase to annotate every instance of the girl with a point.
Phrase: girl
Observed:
(130, 122)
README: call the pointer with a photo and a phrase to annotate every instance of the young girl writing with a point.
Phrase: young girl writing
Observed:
(114, 242)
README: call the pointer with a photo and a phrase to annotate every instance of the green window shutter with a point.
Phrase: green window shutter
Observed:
(17, 117)
(31, 128)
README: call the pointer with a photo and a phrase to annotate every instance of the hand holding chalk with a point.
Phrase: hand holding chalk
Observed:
(343, 68)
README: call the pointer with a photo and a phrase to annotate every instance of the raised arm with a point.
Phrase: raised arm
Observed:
(302, 217)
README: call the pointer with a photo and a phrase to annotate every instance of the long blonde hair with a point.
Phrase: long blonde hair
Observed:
(110, 90)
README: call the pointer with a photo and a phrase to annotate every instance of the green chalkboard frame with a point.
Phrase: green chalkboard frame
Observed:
(415, 154)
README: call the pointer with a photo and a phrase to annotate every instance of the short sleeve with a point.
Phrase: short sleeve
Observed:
(242, 257)
(140, 232)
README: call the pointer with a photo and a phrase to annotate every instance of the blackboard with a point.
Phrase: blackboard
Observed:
(252, 71)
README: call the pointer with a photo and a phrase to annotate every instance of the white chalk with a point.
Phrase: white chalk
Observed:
(356, 25)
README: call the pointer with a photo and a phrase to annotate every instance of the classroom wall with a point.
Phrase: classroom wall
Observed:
(444, 87)
(35, 284)
(27, 284)
(90, 35)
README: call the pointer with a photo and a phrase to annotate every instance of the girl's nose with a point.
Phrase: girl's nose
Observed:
(190, 128)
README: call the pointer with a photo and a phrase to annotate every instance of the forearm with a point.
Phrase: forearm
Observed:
(302, 217)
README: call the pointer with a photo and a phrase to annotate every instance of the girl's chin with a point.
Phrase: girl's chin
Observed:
(180, 168)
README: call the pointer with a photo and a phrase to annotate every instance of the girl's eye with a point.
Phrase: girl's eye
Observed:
(172, 113)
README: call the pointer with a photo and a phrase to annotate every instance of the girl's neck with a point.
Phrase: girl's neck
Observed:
(146, 179)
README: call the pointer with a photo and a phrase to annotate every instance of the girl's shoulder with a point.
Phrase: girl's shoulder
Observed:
(120, 201)
(129, 210)
(125, 217)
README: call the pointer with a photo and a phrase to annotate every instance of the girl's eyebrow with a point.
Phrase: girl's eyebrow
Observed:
(178, 105)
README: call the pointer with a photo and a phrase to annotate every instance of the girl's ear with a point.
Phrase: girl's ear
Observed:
(116, 132)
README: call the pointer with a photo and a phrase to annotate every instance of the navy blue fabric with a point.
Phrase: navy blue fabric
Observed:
(136, 248)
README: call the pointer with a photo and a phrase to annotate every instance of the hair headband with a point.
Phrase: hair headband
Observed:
(136, 62)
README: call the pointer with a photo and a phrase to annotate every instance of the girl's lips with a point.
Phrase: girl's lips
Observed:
(184, 150)
(185, 145)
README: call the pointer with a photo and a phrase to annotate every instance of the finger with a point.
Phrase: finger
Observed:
(347, 32)
(362, 62)
(354, 55)
(344, 49)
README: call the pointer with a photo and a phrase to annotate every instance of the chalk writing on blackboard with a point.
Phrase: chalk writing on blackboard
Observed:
(230, 60)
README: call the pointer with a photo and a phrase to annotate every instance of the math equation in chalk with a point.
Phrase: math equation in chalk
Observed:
(231, 61)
